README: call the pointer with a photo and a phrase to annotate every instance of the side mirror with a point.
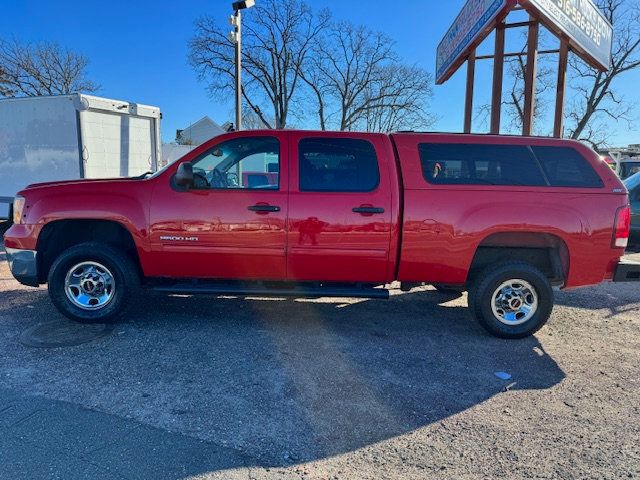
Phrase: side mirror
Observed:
(184, 175)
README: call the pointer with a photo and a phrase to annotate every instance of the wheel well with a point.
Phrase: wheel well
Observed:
(60, 235)
(546, 252)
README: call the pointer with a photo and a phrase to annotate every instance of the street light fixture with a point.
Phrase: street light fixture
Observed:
(243, 4)
(236, 38)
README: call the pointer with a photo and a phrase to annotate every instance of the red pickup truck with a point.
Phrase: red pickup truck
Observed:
(295, 213)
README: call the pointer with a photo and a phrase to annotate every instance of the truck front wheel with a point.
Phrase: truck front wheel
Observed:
(511, 300)
(92, 283)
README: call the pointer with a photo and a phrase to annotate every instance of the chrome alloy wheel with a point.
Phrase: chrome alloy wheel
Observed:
(89, 286)
(514, 302)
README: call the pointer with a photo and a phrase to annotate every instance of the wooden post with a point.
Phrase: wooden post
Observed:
(558, 128)
(498, 74)
(530, 79)
(468, 106)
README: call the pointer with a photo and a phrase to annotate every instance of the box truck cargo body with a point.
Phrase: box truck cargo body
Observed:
(44, 139)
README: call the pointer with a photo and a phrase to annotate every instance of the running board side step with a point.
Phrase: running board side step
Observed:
(259, 290)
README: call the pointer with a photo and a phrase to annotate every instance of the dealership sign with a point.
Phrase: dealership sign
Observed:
(474, 23)
(581, 23)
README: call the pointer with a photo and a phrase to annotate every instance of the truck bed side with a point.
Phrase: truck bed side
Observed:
(446, 227)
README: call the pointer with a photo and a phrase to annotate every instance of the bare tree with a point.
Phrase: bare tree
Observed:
(41, 69)
(277, 38)
(251, 120)
(400, 101)
(358, 81)
(597, 103)
(545, 83)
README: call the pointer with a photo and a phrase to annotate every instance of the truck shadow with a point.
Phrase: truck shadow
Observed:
(287, 381)
(612, 299)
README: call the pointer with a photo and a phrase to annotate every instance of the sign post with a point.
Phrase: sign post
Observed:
(558, 127)
(530, 81)
(498, 76)
(471, 81)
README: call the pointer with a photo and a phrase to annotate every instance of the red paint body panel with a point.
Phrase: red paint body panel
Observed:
(232, 242)
(445, 224)
(327, 240)
(427, 233)
(123, 201)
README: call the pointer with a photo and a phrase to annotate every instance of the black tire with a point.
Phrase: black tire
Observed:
(122, 268)
(489, 280)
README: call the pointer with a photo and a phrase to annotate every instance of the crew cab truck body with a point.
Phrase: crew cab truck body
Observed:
(335, 214)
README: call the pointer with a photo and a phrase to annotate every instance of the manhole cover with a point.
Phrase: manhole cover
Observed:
(63, 334)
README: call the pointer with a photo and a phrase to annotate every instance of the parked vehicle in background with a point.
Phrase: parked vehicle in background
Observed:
(633, 185)
(76, 136)
(297, 213)
(626, 161)
(628, 168)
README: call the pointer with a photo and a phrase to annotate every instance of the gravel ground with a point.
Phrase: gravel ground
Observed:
(336, 388)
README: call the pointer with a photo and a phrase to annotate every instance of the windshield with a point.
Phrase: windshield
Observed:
(628, 169)
(159, 172)
(632, 182)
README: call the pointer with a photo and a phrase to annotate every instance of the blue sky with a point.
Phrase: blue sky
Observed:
(138, 50)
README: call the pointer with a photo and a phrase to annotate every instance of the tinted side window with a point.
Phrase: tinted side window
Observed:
(337, 165)
(565, 167)
(466, 164)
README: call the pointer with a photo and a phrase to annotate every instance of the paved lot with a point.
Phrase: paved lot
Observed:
(232, 388)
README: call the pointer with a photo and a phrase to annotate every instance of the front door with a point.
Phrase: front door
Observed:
(340, 208)
(232, 224)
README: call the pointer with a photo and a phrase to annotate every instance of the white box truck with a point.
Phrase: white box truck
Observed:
(64, 137)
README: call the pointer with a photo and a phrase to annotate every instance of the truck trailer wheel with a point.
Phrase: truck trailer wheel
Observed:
(511, 300)
(92, 283)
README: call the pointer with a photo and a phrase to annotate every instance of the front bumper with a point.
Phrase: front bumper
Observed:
(627, 272)
(23, 265)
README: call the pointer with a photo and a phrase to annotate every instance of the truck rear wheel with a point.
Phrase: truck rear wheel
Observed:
(92, 283)
(511, 300)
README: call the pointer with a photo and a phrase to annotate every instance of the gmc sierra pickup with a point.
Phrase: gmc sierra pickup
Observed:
(295, 213)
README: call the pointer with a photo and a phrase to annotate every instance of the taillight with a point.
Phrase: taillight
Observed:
(622, 227)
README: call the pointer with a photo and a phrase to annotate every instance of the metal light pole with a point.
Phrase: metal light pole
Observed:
(236, 38)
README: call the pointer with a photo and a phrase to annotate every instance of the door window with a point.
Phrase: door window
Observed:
(338, 165)
(247, 163)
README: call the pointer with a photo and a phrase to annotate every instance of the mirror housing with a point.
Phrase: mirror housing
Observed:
(184, 175)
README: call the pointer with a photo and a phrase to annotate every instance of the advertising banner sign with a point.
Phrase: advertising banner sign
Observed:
(476, 20)
(582, 23)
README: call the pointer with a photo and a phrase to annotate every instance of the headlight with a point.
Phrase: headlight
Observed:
(18, 208)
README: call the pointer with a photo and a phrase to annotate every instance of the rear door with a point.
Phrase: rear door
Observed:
(340, 207)
(117, 145)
